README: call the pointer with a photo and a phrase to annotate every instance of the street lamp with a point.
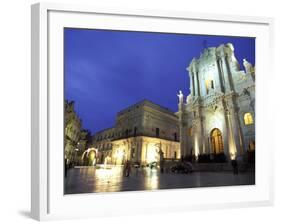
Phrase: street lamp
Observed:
(76, 151)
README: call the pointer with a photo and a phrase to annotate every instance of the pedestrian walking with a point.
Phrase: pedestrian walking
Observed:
(127, 168)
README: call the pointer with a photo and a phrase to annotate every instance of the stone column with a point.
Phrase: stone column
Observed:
(225, 72)
(195, 86)
(227, 64)
(129, 150)
(193, 79)
(197, 83)
(182, 134)
(236, 128)
(144, 152)
(201, 132)
(234, 132)
(227, 139)
(226, 129)
(139, 150)
(203, 87)
(218, 77)
(191, 83)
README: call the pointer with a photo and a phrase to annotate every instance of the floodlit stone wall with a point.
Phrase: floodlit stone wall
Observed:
(221, 95)
(141, 130)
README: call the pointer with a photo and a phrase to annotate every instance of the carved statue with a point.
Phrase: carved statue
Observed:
(180, 96)
(248, 66)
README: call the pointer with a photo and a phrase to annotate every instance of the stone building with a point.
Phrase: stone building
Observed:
(142, 132)
(72, 131)
(102, 142)
(84, 143)
(218, 116)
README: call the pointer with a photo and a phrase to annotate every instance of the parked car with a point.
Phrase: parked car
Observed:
(182, 167)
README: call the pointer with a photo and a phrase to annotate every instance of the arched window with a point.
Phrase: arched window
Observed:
(248, 119)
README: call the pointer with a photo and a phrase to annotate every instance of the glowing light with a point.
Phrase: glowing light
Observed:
(196, 146)
(94, 162)
(248, 119)
(152, 154)
(105, 161)
(110, 178)
(119, 154)
(232, 156)
(86, 152)
(232, 146)
(103, 173)
(151, 179)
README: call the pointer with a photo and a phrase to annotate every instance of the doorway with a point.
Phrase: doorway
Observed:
(216, 140)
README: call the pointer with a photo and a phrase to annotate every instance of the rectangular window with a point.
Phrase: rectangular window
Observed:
(157, 132)
(175, 136)
(212, 84)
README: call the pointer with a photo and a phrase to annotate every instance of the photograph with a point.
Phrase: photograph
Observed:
(147, 111)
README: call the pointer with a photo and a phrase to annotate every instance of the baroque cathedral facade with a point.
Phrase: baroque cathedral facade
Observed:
(218, 116)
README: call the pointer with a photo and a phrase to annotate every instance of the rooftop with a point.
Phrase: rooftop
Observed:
(148, 103)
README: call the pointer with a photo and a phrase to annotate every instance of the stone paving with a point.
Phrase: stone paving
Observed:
(110, 179)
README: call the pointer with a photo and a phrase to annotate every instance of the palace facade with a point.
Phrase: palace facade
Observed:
(142, 131)
(218, 116)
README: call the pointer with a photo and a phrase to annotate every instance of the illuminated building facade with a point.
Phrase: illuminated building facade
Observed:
(102, 142)
(218, 116)
(142, 132)
(72, 131)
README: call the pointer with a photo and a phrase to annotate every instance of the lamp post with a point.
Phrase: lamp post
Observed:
(75, 159)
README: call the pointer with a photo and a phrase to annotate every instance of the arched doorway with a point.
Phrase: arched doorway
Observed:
(216, 140)
(89, 157)
(92, 158)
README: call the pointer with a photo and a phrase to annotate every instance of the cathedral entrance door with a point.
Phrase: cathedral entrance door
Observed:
(216, 140)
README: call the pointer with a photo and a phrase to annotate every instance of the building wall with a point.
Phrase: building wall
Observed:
(72, 131)
(144, 150)
(221, 94)
(102, 141)
(144, 118)
(135, 127)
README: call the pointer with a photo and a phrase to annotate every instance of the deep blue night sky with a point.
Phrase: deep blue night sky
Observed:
(107, 71)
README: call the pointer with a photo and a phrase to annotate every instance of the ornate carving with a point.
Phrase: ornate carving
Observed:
(248, 66)
(245, 92)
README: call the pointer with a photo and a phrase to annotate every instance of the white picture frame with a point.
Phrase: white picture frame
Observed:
(48, 201)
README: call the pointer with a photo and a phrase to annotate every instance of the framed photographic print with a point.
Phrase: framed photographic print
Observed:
(163, 111)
